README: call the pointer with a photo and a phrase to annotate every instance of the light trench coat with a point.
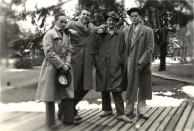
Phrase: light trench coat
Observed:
(57, 50)
(139, 52)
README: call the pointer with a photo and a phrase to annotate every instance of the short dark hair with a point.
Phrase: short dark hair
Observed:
(134, 9)
(59, 14)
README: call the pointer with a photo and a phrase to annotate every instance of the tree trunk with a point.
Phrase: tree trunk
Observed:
(163, 49)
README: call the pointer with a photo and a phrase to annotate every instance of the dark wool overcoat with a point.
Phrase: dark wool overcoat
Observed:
(109, 62)
(81, 56)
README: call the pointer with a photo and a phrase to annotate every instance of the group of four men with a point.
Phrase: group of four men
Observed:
(122, 59)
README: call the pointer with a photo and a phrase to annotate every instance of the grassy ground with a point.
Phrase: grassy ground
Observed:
(175, 69)
(159, 85)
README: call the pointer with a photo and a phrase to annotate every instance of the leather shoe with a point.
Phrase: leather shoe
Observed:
(106, 113)
(77, 118)
(144, 116)
(129, 114)
(124, 118)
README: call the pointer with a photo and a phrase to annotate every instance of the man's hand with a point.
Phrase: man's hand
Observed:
(139, 67)
(100, 31)
(73, 32)
(65, 67)
(101, 28)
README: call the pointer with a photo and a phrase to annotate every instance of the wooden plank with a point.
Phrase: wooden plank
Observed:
(118, 126)
(173, 122)
(104, 125)
(111, 124)
(60, 126)
(58, 123)
(152, 119)
(84, 117)
(104, 121)
(17, 119)
(167, 119)
(94, 122)
(190, 121)
(6, 116)
(162, 116)
(127, 126)
(141, 120)
(184, 117)
(27, 123)
(86, 121)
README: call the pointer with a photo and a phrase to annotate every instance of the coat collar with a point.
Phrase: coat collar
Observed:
(57, 29)
(139, 34)
(116, 31)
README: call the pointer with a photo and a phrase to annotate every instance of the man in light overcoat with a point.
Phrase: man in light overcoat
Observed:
(57, 51)
(139, 41)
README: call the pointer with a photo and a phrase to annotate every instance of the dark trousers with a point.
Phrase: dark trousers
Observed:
(119, 104)
(78, 95)
(66, 112)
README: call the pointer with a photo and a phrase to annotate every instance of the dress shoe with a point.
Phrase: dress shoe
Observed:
(129, 114)
(144, 116)
(124, 118)
(106, 113)
(75, 122)
(77, 118)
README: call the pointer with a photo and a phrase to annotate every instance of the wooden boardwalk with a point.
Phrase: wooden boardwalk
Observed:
(161, 118)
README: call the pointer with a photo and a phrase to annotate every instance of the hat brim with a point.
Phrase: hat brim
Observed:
(116, 18)
(134, 10)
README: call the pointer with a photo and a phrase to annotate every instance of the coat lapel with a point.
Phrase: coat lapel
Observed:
(139, 34)
(127, 36)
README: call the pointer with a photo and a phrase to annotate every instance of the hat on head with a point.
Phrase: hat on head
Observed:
(134, 9)
(114, 15)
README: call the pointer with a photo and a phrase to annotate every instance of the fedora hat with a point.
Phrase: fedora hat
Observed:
(63, 79)
(112, 14)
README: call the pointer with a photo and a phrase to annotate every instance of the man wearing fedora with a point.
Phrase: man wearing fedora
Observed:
(109, 63)
(139, 41)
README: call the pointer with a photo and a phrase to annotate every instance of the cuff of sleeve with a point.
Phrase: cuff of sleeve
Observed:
(141, 64)
(68, 64)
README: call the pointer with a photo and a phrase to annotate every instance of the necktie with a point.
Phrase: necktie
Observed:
(61, 31)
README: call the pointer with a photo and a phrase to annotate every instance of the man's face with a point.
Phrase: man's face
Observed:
(61, 22)
(111, 22)
(85, 16)
(135, 18)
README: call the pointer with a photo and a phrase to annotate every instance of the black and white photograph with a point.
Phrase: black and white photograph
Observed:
(96, 65)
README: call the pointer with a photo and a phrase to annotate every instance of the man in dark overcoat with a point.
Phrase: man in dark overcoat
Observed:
(81, 56)
(109, 63)
(139, 41)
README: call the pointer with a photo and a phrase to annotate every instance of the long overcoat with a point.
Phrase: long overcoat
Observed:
(139, 52)
(109, 62)
(81, 55)
(57, 51)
